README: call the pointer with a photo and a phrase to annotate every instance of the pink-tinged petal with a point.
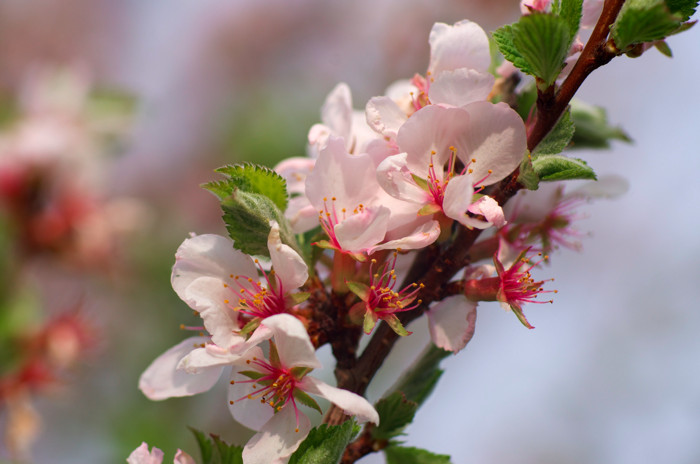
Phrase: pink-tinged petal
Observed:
(452, 322)
(385, 116)
(183, 458)
(458, 197)
(432, 128)
(292, 340)
(396, 179)
(214, 301)
(351, 403)
(495, 138)
(360, 231)
(249, 412)
(336, 175)
(278, 438)
(318, 137)
(208, 255)
(141, 455)
(162, 380)
(362, 134)
(209, 356)
(301, 214)
(422, 236)
(288, 265)
(294, 170)
(336, 112)
(490, 209)
(464, 45)
(460, 87)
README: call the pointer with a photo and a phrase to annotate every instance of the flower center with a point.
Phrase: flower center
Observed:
(383, 299)
(257, 300)
(517, 283)
(329, 217)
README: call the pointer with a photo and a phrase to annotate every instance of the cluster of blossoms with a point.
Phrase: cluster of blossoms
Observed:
(376, 188)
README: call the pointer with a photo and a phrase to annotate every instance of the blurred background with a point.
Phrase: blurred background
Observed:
(610, 374)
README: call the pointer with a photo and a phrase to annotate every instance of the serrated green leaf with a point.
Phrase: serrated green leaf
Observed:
(247, 217)
(325, 444)
(558, 167)
(527, 175)
(543, 41)
(419, 381)
(406, 455)
(592, 127)
(684, 8)
(570, 11)
(206, 447)
(504, 39)
(643, 21)
(395, 413)
(251, 178)
(228, 454)
(558, 138)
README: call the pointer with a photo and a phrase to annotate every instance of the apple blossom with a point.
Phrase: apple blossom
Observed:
(265, 392)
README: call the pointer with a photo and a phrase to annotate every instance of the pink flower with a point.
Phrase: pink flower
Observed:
(141, 455)
(265, 392)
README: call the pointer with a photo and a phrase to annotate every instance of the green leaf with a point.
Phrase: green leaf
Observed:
(527, 175)
(592, 127)
(395, 413)
(359, 289)
(247, 217)
(558, 167)
(418, 382)
(543, 42)
(684, 8)
(558, 138)
(406, 455)
(250, 178)
(570, 11)
(217, 452)
(325, 444)
(504, 39)
(643, 21)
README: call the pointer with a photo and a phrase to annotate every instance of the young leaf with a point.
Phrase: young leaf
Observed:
(325, 444)
(527, 175)
(684, 8)
(251, 178)
(395, 413)
(543, 42)
(558, 167)
(247, 217)
(558, 138)
(206, 447)
(228, 454)
(643, 21)
(504, 39)
(592, 127)
(570, 11)
(405, 455)
(217, 452)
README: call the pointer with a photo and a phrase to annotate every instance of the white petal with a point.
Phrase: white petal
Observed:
(422, 236)
(490, 209)
(464, 45)
(141, 455)
(452, 322)
(385, 116)
(336, 112)
(211, 355)
(460, 87)
(495, 138)
(294, 170)
(288, 265)
(209, 296)
(395, 178)
(292, 340)
(363, 230)
(458, 197)
(162, 380)
(351, 403)
(278, 438)
(249, 412)
(208, 255)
